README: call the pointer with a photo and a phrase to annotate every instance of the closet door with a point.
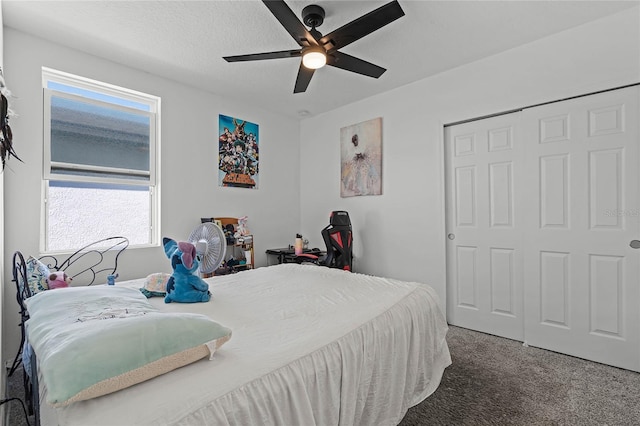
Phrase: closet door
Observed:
(484, 226)
(543, 221)
(582, 210)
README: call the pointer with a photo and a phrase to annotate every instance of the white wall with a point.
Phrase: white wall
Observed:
(188, 162)
(3, 281)
(401, 233)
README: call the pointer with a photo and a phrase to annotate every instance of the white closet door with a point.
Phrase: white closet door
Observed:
(582, 210)
(484, 246)
(543, 207)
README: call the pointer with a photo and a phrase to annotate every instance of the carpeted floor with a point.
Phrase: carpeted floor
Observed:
(497, 381)
(14, 413)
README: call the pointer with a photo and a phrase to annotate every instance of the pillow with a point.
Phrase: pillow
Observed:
(37, 275)
(155, 284)
(91, 341)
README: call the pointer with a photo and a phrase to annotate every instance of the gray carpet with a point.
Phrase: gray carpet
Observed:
(496, 381)
(14, 413)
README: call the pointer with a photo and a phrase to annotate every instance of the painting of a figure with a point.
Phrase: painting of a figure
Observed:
(238, 153)
(361, 158)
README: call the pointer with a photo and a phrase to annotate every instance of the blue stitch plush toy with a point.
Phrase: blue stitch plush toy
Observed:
(183, 285)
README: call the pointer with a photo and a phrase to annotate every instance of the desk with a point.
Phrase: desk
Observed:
(287, 254)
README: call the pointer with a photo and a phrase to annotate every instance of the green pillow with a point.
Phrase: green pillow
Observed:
(91, 341)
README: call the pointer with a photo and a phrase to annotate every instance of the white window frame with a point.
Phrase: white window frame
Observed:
(51, 75)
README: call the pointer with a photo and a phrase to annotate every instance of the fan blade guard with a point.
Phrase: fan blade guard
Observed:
(211, 246)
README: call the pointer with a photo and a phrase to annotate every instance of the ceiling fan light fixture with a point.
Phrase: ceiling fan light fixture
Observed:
(314, 59)
(316, 48)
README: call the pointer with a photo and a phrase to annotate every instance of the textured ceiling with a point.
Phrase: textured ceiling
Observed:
(186, 40)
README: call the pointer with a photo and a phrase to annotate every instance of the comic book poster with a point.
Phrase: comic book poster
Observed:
(361, 159)
(238, 153)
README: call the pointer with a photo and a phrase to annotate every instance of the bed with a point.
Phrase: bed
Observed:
(310, 346)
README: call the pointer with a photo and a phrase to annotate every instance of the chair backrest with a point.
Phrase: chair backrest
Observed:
(338, 237)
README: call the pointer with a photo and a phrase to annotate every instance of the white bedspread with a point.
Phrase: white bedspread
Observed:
(311, 346)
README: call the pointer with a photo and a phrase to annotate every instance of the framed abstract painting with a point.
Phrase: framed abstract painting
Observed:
(361, 159)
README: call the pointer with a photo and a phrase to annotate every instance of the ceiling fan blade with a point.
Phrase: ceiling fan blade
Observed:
(353, 64)
(290, 22)
(261, 56)
(303, 79)
(362, 26)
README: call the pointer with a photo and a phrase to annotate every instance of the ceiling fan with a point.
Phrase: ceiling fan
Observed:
(318, 50)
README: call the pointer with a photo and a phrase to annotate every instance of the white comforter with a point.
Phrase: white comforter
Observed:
(311, 346)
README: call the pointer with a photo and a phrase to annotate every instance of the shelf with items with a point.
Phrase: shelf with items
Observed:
(244, 245)
(240, 253)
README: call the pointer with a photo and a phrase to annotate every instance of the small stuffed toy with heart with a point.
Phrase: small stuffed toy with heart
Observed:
(184, 285)
(59, 280)
(242, 229)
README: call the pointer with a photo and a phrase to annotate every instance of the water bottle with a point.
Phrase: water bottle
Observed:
(297, 248)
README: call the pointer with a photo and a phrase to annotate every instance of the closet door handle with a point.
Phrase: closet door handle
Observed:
(635, 244)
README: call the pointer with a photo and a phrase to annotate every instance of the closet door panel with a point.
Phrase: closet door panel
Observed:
(582, 278)
(484, 252)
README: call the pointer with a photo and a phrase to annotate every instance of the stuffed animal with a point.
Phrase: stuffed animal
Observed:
(155, 284)
(242, 229)
(59, 280)
(183, 285)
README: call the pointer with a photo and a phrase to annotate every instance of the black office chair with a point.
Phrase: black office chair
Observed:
(338, 237)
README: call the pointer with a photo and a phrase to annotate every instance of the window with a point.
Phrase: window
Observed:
(100, 162)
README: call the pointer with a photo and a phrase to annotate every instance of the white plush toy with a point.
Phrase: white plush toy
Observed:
(242, 229)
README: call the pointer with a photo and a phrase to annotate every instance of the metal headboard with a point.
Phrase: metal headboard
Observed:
(90, 261)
